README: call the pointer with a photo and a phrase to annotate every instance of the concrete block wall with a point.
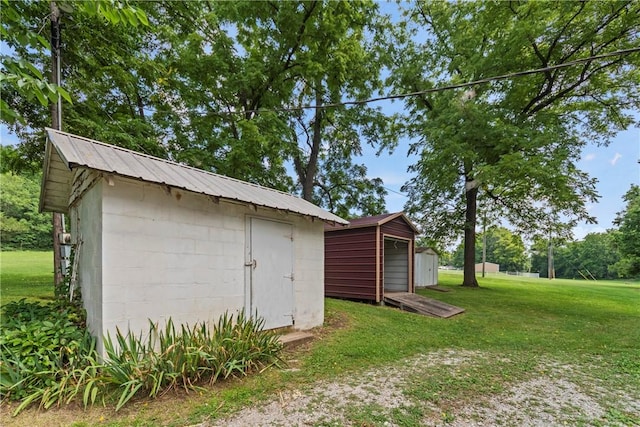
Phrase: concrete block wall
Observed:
(169, 254)
(309, 274)
(86, 224)
(157, 254)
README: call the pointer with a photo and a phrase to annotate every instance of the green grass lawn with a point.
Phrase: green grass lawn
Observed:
(520, 323)
(517, 324)
(26, 274)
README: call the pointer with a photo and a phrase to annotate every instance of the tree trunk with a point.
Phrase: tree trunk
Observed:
(484, 244)
(551, 271)
(312, 166)
(470, 236)
(57, 218)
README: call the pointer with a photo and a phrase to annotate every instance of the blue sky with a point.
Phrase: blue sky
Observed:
(615, 167)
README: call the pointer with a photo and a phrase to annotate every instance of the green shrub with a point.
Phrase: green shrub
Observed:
(47, 355)
(194, 355)
(36, 340)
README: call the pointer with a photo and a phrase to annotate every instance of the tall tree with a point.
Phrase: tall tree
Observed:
(627, 236)
(503, 247)
(25, 81)
(237, 76)
(22, 69)
(515, 141)
(101, 61)
(212, 84)
(591, 258)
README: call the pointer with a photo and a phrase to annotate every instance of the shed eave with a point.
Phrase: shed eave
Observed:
(399, 215)
(73, 151)
(56, 174)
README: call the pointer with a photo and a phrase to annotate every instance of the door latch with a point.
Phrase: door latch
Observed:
(253, 264)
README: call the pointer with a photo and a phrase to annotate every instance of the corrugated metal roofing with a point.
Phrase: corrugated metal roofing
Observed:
(65, 152)
(369, 221)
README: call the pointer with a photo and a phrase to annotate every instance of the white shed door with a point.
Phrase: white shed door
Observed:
(271, 264)
(396, 265)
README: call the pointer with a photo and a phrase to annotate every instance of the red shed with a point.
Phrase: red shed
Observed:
(371, 256)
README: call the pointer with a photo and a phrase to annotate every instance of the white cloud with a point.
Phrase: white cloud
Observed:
(580, 231)
(615, 159)
(589, 157)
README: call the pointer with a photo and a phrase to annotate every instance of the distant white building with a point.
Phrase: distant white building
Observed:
(156, 239)
(426, 267)
(489, 267)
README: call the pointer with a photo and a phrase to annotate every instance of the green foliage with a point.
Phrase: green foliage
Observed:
(151, 89)
(13, 161)
(47, 355)
(627, 237)
(21, 225)
(503, 247)
(515, 142)
(37, 344)
(594, 257)
(19, 73)
(506, 249)
(187, 357)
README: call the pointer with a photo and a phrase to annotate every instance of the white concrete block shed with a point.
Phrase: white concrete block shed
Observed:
(158, 239)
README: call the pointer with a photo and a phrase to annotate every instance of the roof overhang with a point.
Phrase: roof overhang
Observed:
(65, 152)
(376, 223)
(57, 176)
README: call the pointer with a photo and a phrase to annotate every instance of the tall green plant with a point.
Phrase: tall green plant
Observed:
(61, 364)
(188, 356)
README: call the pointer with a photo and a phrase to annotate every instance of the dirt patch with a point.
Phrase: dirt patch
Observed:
(552, 398)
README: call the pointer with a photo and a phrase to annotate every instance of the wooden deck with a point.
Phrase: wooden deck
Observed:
(422, 305)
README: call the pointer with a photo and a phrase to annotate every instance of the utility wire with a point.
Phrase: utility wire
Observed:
(394, 191)
(443, 88)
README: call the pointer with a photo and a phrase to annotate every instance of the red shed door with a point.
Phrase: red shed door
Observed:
(271, 287)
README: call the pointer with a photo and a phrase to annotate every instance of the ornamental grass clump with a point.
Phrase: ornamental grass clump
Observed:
(189, 356)
(48, 356)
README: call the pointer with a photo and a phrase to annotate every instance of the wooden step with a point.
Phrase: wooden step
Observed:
(422, 305)
(294, 339)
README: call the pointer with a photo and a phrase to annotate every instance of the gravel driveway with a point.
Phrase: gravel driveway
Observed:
(557, 395)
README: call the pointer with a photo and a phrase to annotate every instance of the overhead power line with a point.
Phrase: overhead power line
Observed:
(443, 88)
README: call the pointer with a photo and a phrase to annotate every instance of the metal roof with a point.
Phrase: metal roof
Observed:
(371, 221)
(65, 151)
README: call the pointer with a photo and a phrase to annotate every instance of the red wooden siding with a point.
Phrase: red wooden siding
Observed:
(349, 263)
(398, 227)
(351, 256)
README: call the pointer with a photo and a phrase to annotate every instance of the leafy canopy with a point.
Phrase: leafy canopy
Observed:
(627, 237)
(513, 142)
